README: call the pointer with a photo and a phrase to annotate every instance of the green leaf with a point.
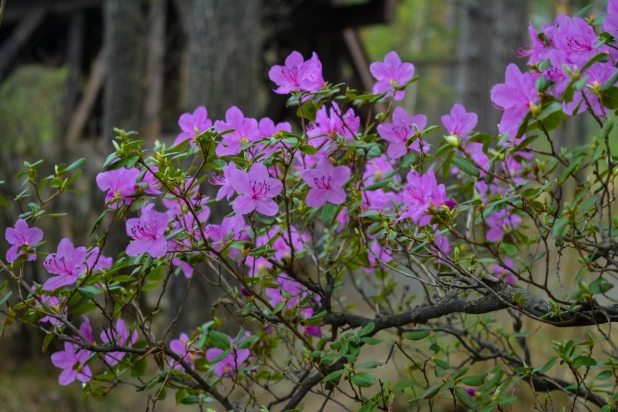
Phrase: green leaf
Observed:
(605, 375)
(508, 249)
(332, 376)
(367, 329)
(140, 368)
(609, 98)
(328, 211)
(222, 356)
(76, 165)
(417, 334)
(6, 297)
(371, 341)
(431, 391)
(308, 110)
(309, 150)
(583, 361)
(548, 366)
(508, 399)
(583, 12)
(464, 397)
(466, 166)
(219, 340)
(48, 339)
(89, 292)
(474, 380)
(378, 185)
(363, 379)
(369, 365)
(248, 341)
(190, 400)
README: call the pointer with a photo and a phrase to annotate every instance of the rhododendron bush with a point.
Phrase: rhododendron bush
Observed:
(364, 264)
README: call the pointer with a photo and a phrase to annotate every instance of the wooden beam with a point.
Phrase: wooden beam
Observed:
(22, 8)
(155, 69)
(19, 36)
(324, 18)
(84, 108)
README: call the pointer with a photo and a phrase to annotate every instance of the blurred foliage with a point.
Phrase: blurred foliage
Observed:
(31, 107)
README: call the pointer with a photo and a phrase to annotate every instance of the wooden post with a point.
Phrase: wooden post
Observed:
(84, 108)
(155, 72)
(74, 61)
(18, 38)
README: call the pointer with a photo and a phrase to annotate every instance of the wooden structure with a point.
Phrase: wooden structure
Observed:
(70, 33)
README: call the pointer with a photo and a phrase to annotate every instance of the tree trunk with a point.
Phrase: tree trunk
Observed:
(124, 38)
(487, 44)
(224, 44)
(224, 57)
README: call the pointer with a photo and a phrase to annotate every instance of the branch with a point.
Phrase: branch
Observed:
(503, 297)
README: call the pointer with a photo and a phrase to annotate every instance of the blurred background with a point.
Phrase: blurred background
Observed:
(72, 70)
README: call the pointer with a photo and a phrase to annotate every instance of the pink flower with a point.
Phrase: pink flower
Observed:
(577, 39)
(328, 125)
(147, 233)
(390, 74)
(501, 221)
(297, 74)
(516, 97)
(268, 128)
(67, 263)
(421, 193)
(22, 238)
(245, 131)
(326, 183)
(459, 122)
(296, 292)
(186, 268)
(377, 168)
(314, 331)
(535, 49)
(610, 24)
(231, 228)
(54, 303)
(119, 185)
(230, 364)
(597, 74)
(95, 261)
(400, 131)
(72, 361)
(504, 272)
(192, 123)
(183, 348)
(256, 189)
(225, 182)
(118, 336)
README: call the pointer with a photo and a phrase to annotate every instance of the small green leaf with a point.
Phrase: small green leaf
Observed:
(328, 211)
(417, 334)
(508, 249)
(332, 376)
(464, 397)
(583, 361)
(219, 340)
(363, 379)
(367, 329)
(466, 166)
(474, 380)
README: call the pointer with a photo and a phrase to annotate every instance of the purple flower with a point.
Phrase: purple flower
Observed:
(256, 189)
(577, 39)
(459, 122)
(225, 182)
(245, 131)
(67, 263)
(505, 272)
(296, 291)
(471, 391)
(326, 183)
(420, 194)
(390, 74)
(230, 364)
(597, 74)
(186, 268)
(231, 228)
(52, 302)
(400, 131)
(297, 74)
(96, 261)
(22, 238)
(501, 221)
(190, 122)
(610, 24)
(147, 233)
(268, 128)
(119, 185)
(328, 125)
(377, 168)
(183, 348)
(534, 50)
(72, 361)
(517, 96)
(314, 331)
(118, 336)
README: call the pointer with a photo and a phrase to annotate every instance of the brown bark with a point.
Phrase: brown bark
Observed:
(124, 60)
